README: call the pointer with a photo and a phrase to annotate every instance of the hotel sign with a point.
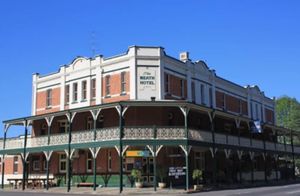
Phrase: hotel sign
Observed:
(147, 79)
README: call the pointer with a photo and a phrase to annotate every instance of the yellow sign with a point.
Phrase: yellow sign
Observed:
(137, 153)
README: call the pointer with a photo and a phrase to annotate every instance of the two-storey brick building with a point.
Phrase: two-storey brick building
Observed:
(98, 118)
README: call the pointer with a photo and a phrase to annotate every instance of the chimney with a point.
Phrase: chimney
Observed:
(184, 56)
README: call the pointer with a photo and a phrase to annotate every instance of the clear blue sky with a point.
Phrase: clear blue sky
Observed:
(248, 42)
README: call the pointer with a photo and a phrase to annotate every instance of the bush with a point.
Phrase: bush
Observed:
(197, 175)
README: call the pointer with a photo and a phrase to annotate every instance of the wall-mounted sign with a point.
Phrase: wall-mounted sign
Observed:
(137, 153)
(147, 79)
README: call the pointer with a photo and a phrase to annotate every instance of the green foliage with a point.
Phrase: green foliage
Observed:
(288, 114)
(197, 175)
(136, 174)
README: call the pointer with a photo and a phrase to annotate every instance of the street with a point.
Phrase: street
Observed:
(292, 190)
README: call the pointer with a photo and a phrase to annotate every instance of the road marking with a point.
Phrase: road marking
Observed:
(292, 192)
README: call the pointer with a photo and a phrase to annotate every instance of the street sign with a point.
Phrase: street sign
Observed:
(177, 171)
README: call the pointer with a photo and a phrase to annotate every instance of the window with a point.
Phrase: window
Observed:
(43, 129)
(75, 92)
(89, 123)
(193, 92)
(62, 163)
(123, 82)
(93, 88)
(210, 97)
(224, 101)
(202, 94)
(240, 106)
(256, 111)
(107, 85)
(36, 165)
(49, 98)
(89, 162)
(182, 88)
(15, 165)
(63, 126)
(67, 94)
(109, 160)
(83, 93)
(167, 83)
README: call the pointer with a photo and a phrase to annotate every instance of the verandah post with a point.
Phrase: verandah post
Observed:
(95, 157)
(24, 156)
(154, 160)
(3, 156)
(121, 146)
(48, 158)
(69, 154)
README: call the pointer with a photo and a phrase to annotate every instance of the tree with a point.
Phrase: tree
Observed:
(288, 114)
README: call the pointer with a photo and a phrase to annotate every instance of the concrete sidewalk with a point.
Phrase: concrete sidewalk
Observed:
(104, 191)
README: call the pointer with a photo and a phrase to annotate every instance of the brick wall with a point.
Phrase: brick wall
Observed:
(232, 104)
(269, 115)
(115, 88)
(41, 99)
(174, 87)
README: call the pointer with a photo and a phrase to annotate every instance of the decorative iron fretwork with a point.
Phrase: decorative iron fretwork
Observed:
(138, 133)
(171, 133)
(108, 134)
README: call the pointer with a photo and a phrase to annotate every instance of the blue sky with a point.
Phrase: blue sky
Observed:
(248, 42)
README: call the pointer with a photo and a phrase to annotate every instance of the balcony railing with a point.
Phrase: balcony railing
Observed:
(141, 133)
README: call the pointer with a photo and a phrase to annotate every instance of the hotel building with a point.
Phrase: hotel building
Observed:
(96, 119)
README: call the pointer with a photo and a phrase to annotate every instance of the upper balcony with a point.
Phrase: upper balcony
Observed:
(147, 123)
(163, 136)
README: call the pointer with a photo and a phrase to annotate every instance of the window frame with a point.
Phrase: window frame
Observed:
(15, 164)
(67, 94)
(62, 160)
(167, 83)
(107, 86)
(84, 90)
(75, 92)
(89, 162)
(49, 98)
(123, 82)
(182, 88)
(36, 165)
(93, 88)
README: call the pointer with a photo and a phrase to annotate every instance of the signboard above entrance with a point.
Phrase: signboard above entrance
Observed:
(137, 153)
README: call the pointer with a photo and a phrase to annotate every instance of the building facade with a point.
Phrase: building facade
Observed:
(98, 118)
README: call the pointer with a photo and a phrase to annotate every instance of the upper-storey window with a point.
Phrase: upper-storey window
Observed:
(193, 92)
(15, 164)
(67, 94)
(202, 94)
(210, 97)
(181, 88)
(83, 90)
(107, 85)
(256, 111)
(123, 82)
(75, 92)
(93, 88)
(223, 101)
(167, 83)
(49, 98)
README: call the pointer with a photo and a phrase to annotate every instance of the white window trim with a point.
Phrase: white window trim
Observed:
(61, 161)
(36, 165)
(87, 162)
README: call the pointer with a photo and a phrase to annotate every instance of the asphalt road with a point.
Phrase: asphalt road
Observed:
(288, 190)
